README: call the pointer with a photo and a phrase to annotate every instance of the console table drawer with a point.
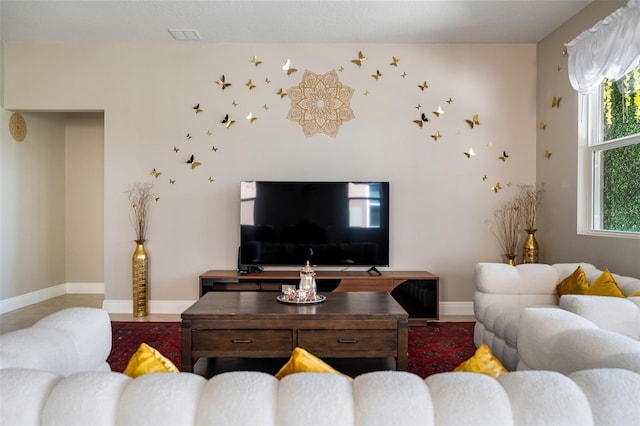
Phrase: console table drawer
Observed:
(233, 341)
(333, 341)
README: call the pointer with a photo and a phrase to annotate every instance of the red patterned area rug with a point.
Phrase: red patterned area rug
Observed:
(439, 347)
(435, 348)
(127, 336)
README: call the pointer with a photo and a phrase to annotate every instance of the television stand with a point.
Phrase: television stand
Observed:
(416, 291)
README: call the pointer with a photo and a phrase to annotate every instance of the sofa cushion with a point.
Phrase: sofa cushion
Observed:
(533, 404)
(483, 362)
(608, 392)
(40, 349)
(610, 313)
(90, 332)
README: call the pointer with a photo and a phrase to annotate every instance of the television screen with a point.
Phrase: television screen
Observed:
(325, 223)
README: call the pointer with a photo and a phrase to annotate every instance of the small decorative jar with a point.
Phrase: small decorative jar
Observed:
(308, 281)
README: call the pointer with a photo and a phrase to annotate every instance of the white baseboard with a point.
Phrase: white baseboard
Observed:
(17, 302)
(155, 306)
(456, 308)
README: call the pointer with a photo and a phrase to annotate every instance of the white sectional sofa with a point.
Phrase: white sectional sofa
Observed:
(65, 342)
(503, 291)
(590, 397)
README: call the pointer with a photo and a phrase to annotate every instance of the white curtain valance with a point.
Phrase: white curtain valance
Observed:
(609, 49)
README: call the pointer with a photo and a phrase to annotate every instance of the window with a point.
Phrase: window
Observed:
(614, 156)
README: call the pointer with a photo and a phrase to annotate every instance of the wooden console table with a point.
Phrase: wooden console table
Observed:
(416, 291)
(255, 325)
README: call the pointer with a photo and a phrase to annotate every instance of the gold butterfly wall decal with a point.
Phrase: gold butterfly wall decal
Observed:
(423, 119)
(437, 135)
(360, 59)
(341, 68)
(496, 188)
(251, 118)
(197, 109)
(509, 184)
(470, 153)
(377, 75)
(418, 107)
(403, 75)
(256, 61)
(193, 163)
(227, 121)
(287, 67)
(176, 149)
(213, 148)
(209, 132)
(438, 112)
(423, 86)
(222, 83)
(266, 80)
(543, 126)
(547, 154)
(365, 93)
(155, 173)
(475, 121)
(555, 102)
(188, 136)
(172, 181)
(449, 100)
(156, 198)
(282, 93)
(504, 156)
(394, 61)
(265, 107)
(210, 179)
(484, 177)
(234, 103)
(250, 85)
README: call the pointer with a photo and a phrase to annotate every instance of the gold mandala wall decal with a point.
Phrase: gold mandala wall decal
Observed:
(320, 103)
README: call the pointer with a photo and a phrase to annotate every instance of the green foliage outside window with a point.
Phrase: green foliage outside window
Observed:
(621, 165)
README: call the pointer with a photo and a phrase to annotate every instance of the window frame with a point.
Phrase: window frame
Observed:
(590, 137)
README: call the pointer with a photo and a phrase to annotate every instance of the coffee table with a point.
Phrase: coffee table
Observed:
(256, 325)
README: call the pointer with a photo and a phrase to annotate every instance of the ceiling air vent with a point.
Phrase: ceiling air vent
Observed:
(185, 35)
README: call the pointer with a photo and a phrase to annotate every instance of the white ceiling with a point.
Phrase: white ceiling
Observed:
(292, 21)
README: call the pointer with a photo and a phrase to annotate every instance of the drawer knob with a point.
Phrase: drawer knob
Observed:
(242, 340)
(347, 340)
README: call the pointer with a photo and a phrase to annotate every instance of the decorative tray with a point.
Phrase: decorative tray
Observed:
(285, 299)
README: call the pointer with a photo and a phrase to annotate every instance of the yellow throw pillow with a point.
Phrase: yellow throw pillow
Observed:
(636, 294)
(148, 360)
(483, 362)
(302, 361)
(605, 285)
(576, 283)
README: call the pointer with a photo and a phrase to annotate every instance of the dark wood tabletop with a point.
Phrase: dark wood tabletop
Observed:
(357, 305)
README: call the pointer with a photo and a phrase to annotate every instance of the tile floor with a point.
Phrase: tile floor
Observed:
(29, 315)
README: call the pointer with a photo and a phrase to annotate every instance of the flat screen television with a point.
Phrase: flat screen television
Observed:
(325, 223)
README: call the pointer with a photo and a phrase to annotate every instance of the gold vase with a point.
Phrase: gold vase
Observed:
(530, 247)
(140, 280)
(511, 259)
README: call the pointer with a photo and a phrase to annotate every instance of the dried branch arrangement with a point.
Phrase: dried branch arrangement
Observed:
(529, 200)
(140, 197)
(507, 226)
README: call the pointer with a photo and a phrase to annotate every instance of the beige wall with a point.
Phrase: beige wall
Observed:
(84, 183)
(33, 205)
(441, 207)
(558, 221)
